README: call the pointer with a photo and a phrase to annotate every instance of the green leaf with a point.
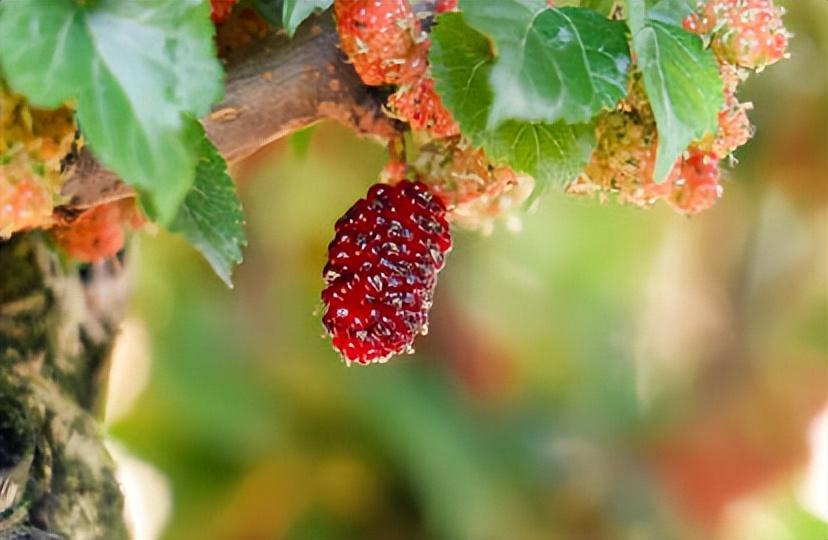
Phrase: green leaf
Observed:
(683, 85)
(551, 153)
(552, 64)
(604, 7)
(134, 69)
(461, 65)
(211, 217)
(294, 12)
(271, 10)
(636, 14)
(671, 11)
(300, 141)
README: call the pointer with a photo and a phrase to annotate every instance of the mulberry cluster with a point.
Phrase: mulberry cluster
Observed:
(383, 262)
(385, 42)
(745, 35)
(624, 160)
(382, 269)
(32, 143)
(624, 157)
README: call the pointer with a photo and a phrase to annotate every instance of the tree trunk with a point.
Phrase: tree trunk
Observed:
(57, 326)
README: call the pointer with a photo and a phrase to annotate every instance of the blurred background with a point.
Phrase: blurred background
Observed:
(605, 373)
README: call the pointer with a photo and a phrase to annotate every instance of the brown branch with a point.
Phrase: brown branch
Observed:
(275, 86)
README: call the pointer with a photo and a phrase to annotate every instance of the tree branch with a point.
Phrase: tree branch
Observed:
(275, 86)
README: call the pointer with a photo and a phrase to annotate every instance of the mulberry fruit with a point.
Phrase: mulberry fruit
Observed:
(99, 233)
(695, 182)
(747, 33)
(624, 158)
(476, 191)
(421, 106)
(379, 37)
(382, 269)
(26, 204)
(32, 143)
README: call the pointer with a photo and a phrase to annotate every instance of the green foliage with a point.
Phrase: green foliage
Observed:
(552, 64)
(294, 12)
(461, 65)
(671, 11)
(524, 82)
(300, 141)
(211, 217)
(270, 10)
(604, 7)
(683, 85)
(135, 71)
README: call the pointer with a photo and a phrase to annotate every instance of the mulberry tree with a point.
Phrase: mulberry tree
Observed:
(115, 115)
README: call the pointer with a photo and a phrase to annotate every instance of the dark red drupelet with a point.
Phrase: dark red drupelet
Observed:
(382, 269)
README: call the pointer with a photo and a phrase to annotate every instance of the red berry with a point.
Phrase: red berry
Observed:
(220, 10)
(98, 233)
(696, 187)
(382, 269)
(378, 36)
(421, 106)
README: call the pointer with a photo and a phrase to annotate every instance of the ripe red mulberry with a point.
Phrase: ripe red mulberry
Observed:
(382, 269)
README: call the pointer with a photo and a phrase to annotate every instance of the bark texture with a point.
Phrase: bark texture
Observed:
(57, 325)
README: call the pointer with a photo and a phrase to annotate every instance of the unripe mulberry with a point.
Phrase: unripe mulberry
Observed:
(382, 269)
(747, 33)
(26, 204)
(695, 182)
(624, 158)
(99, 233)
(32, 144)
(476, 191)
(623, 161)
(734, 128)
(379, 37)
(421, 106)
